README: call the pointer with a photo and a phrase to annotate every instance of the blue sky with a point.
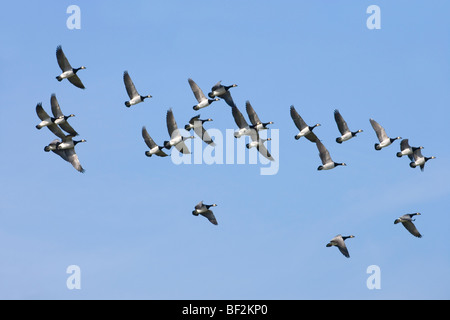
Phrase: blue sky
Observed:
(127, 222)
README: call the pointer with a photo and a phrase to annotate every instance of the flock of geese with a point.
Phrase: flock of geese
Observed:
(65, 146)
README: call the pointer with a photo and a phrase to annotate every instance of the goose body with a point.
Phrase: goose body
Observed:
(202, 100)
(60, 118)
(154, 148)
(47, 121)
(204, 210)
(244, 128)
(407, 150)
(68, 143)
(419, 160)
(221, 91)
(327, 162)
(339, 242)
(176, 140)
(382, 136)
(407, 221)
(257, 124)
(133, 94)
(305, 130)
(68, 72)
(346, 134)
(68, 155)
(197, 124)
(258, 143)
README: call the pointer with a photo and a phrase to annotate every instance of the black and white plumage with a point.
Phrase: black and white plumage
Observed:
(346, 134)
(254, 119)
(204, 210)
(221, 91)
(47, 121)
(419, 160)
(258, 143)
(407, 222)
(68, 143)
(339, 242)
(154, 148)
(176, 139)
(305, 130)
(407, 150)
(327, 162)
(60, 118)
(244, 128)
(202, 100)
(68, 155)
(382, 136)
(68, 72)
(197, 124)
(133, 94)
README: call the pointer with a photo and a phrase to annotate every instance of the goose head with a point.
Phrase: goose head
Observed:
(356, 132)
(340, 164)
(145, 97)
(75, 142)
(396, 138)
(348, 237)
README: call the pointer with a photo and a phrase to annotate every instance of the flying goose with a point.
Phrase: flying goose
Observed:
(258, 142)
(346, 134)
(203, 209)
(221, 91)
(305, 130)
(60, 118)
(176, 140)
(68, 143)
(197, 124)
(135, 97)
(47, 121)
(68, 155)
(382, 136)
(407, 150)
(68, 72)
(244, 128)
(254, 119)
(338, 241)
(154, 148)
(203, 102)
(419, 160)
(407, 222)
(327, 162)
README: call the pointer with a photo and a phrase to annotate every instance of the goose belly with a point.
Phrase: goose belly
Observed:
(346, 136)
(304, 132)
(385, 143)
(328, 166)
(58, 121)
(176, 140)
(203, 104)
(201, 210)
(65, 145)
(44, 123)
(154, 150)
(406, 152)
(135, 100)
(252, 144)
(219, 91)
(420, 161)
(66, 74)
